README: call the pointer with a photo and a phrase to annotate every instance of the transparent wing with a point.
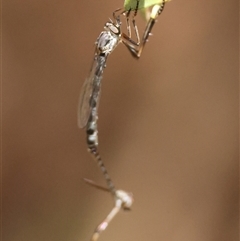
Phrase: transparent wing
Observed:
(90, 92)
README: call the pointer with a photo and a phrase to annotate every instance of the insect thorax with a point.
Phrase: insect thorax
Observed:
(108, 39)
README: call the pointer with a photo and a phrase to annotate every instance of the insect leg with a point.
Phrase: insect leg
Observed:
(134, 49)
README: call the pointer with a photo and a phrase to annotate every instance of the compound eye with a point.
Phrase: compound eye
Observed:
(114, 29)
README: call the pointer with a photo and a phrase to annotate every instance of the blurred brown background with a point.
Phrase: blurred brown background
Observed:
(168, 124)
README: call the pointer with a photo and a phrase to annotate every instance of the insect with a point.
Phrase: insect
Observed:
(90, 93)
(143, 6)
(88, 115)
(107, 41)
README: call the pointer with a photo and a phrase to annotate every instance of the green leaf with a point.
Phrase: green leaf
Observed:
(132, 4)
(143, 6)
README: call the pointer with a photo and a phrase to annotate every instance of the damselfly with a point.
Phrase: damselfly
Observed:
(87, 116)
(90, 94)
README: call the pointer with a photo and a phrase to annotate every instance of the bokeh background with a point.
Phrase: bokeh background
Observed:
(168, 123)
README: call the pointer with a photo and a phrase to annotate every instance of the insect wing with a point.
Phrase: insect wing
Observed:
(84, 106)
